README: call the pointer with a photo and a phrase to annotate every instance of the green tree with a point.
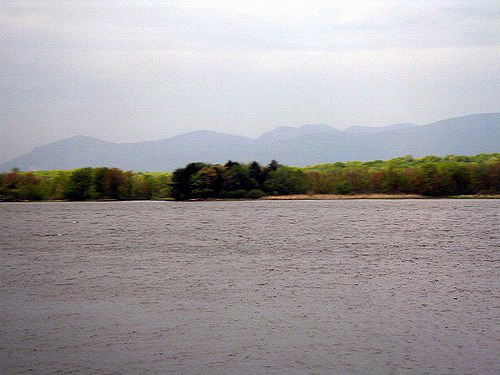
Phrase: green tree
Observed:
(79, 184)
(99, 189)
(286, 180)
(30, 187)
(182, 181)
(208, 182)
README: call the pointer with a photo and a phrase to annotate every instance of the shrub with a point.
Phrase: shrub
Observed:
(235, 194)
(255, 194)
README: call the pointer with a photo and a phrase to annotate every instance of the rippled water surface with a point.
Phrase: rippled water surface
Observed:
(264, 287)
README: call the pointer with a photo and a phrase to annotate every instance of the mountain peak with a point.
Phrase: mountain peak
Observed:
(206, 136)
(373, 129)
(286, 132)
(317, 127)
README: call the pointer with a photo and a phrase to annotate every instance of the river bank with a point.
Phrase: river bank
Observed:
(371, 196)
(291, 197)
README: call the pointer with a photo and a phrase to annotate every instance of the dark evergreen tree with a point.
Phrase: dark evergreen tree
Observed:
(182, 181)
(273, 165)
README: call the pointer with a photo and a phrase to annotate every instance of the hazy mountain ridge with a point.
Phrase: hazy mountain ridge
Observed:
(286, 132)
(306, 145)
(372, 129)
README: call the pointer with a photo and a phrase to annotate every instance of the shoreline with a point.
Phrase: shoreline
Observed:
(372, 196)
(291, 197)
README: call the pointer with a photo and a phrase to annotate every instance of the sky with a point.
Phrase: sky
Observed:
(129, 71)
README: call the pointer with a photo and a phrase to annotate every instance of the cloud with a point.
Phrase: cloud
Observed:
(256, 25)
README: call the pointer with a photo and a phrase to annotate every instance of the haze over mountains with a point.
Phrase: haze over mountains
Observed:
(306, 145)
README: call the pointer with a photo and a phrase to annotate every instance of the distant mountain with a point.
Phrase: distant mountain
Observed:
(306, 145)
(372, 129)
(286, 132)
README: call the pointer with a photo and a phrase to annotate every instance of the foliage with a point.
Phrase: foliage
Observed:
(84, 183)
(255, 194)
(430, 176)
(286, 180)
(232, 180)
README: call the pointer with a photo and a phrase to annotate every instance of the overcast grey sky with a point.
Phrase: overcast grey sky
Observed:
(129, 71)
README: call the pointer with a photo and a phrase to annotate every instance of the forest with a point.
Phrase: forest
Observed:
(429, 176)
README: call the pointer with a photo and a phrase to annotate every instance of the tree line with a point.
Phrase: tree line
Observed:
(83, 184)
(428, 176)
(236, 180)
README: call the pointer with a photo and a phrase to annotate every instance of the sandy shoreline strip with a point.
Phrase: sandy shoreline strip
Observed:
(367, 196)
(291, 197)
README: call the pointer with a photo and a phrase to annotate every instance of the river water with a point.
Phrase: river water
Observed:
(258, 287)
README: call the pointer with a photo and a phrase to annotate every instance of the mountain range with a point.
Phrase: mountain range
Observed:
(299, 146)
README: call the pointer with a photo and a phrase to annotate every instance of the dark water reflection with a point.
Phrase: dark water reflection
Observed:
(347, 287)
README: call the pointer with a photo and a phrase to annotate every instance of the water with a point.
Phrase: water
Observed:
(263, 287)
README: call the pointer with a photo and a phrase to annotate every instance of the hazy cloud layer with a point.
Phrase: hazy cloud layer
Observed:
(137, 70)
